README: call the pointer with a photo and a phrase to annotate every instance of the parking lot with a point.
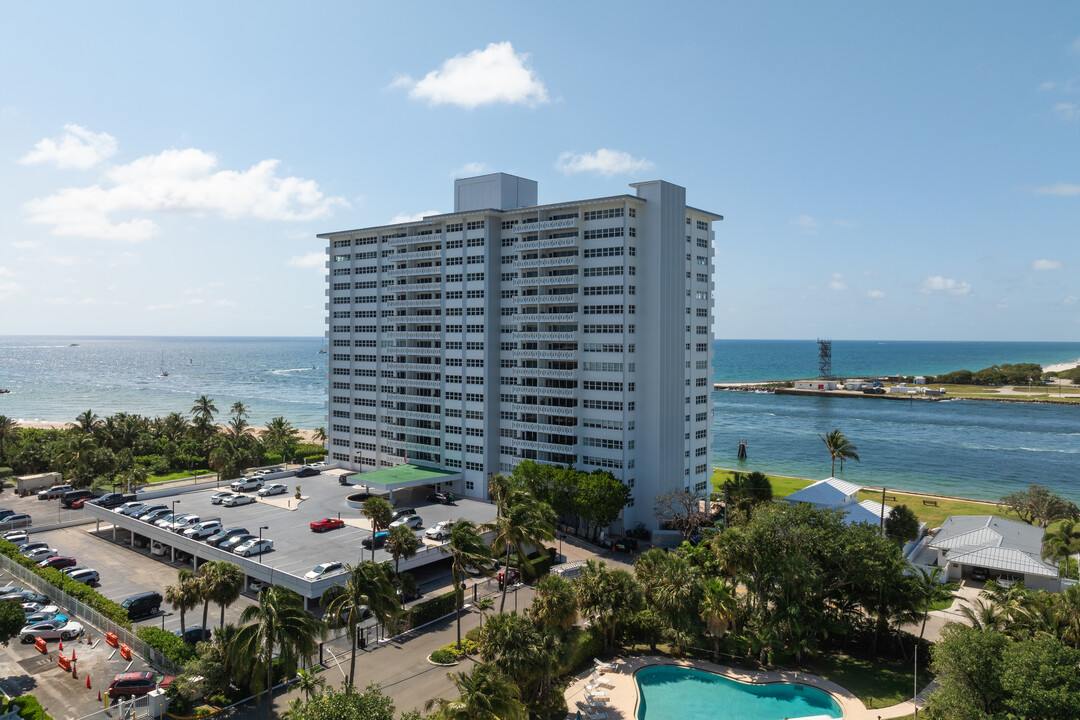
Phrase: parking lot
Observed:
(286, 521)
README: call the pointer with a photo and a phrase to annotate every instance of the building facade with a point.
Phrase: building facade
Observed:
(577, 333)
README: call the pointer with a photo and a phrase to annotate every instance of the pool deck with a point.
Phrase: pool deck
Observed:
(621, 703)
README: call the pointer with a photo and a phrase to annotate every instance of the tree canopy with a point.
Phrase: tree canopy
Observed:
(1039, 506)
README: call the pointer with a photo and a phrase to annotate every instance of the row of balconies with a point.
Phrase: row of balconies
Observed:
(545, 299)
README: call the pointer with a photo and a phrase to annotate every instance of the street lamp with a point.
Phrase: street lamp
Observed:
(172, 547)
(173, 510)
(261, 528)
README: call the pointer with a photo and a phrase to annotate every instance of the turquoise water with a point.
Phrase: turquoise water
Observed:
(674, 693)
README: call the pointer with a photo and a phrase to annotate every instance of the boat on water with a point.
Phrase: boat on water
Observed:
(74, 345)
(164, 372)
(322, 352)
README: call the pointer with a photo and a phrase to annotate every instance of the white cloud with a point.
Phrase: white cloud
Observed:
(1069, 111)
(1064, 189)
(472, 170)
(1046, 265)
(806, 223)
(23, 244)
(224, 303)
(76, 148)
(1070, 300)
(4, 272)
(837, 282)
(840, 222)
(178, 181)
(875, 293)
(417, 217)
(937, 283)
(314, 260)
(495, 74)
(604, 162)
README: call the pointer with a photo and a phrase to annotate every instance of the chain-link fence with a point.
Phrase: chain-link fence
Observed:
(91, 616)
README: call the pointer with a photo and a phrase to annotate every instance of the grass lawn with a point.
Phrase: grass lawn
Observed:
(878, 684)
(932, 515)
(1052, 393)
(178, 475)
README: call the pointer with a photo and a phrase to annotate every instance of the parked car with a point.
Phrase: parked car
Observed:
(166, 519)
(327, 524)
(224, 534)
(54, 492)
(203, 530)
(28, 546)
(77, 504)
(237, 500)
(128, 507)
(8, 589)
(192, 634)
(153, 517)
(216, 498)
(18, 520)
(69, 570)
(273, 489)
(157, 548)
(58, 563)
(26, 596)
(402, 512)
(413, 521)
(147, 510)
(136, 684)
(144, 604)
(440, 530)
(236, 540)
(112, 500)
(515, 575)
(15, 536)
(4, 512)
(444, 498)
(183, 522)
(378, 541)
(72, 495)
(320, 571)
(40, 617)
(41, 554)
(50, 630)
(255, 546)
(245, 484)
(307, 471)
(87, 576)
(31, 608)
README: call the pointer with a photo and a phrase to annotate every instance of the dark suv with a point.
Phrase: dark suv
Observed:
(111, 500)
(134, 684)
(144, 604)
(72, 495)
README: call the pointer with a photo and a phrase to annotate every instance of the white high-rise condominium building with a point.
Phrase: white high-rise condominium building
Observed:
(571, 333)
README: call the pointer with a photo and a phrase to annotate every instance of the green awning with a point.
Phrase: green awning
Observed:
(404, 476)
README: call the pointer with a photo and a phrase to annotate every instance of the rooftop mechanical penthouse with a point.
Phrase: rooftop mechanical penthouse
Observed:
(573, 333)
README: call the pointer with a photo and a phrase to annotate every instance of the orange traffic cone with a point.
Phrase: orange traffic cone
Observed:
(61, 645)
(99, 696)
(87, 680)
(72, 654)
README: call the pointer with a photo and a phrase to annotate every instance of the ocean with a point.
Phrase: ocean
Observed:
(967, 448)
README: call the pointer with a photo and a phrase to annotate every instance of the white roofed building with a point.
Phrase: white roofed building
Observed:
(836, 494)
(995, 547)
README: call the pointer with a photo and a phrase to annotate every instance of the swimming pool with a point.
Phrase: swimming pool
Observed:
(676, 693)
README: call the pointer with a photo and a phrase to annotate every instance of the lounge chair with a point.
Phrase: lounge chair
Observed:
(604, 667)
(595, 680)
(596, 715)
(591, 693)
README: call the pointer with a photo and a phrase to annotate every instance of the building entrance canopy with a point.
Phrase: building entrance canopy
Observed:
(403, 476)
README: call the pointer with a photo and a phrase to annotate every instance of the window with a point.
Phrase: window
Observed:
(456, 227)
(602, 405)
(602, 385)
(476, 242)
(603, 252)
(603, 328)
(603, 290)
(604, 214)
(603, 271)
(602, 347)
(603, 233)
(475, 225)
(603, 309)
(601, 462)
(602, 443)
(602, 366)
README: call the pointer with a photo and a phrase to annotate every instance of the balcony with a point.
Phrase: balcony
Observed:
(545, 299)
(556, 280)
(412, 367)
(544, 373)
(542, 446)
(408, 239)
(413, 303)
(388, 415)
(416, 255)
(411, 335)
(568, 261)
(546, 244)
(547, 391)
(413, 447)
(547, 317)
(410, 382)
(545, 409)
(544, 354)
(524, 426)
(526, 336)
(412, 351)
(408, 430)
(413, 271)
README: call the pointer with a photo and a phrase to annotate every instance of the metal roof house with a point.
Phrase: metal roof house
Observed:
(1000, 548)
(836, 494)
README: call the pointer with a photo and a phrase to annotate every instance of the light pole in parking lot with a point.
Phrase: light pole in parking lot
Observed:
(261, 528)
(172, 547)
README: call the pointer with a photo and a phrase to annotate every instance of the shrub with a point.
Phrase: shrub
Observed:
(30, 708)
(169, 645)
(218, 701)
(6, 472)
(309, 450)
(443, 657)
(468, 647)
(432, 609)
(587, 644)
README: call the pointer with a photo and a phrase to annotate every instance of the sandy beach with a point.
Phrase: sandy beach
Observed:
(307, 436)
(1059, 367)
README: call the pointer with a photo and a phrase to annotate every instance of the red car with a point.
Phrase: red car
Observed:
(76, 504)
(326, 524)
(57, 562)
(515, 575)
(136, 683)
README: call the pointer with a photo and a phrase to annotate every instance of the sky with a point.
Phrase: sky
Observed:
(886, 171)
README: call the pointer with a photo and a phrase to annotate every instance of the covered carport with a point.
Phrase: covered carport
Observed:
(401, 477)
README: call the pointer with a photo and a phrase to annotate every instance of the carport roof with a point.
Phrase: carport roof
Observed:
(403, 476)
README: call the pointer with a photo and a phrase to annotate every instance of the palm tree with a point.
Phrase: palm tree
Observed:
(839, 447)
(483, 606)
(279, 435)
(319, 435)
(222, 584)
(607, 596)
(309, 683)
(717, 609)
(367, 586)
(185, 595)
(402, 544)
(204, 409)
(238, 424)
(484, 694)
(555, 604)
(985, 615)
(7, 432)
(1061, 543)
(277, 622)
(498, 487)
(88, 422)
(380, 512)
(928, 589)
(467, 550)
(523, 521)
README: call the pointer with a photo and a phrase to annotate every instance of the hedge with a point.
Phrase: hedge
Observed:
(171, 646)
(432, 609)
(28, 706)
(77, 590)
